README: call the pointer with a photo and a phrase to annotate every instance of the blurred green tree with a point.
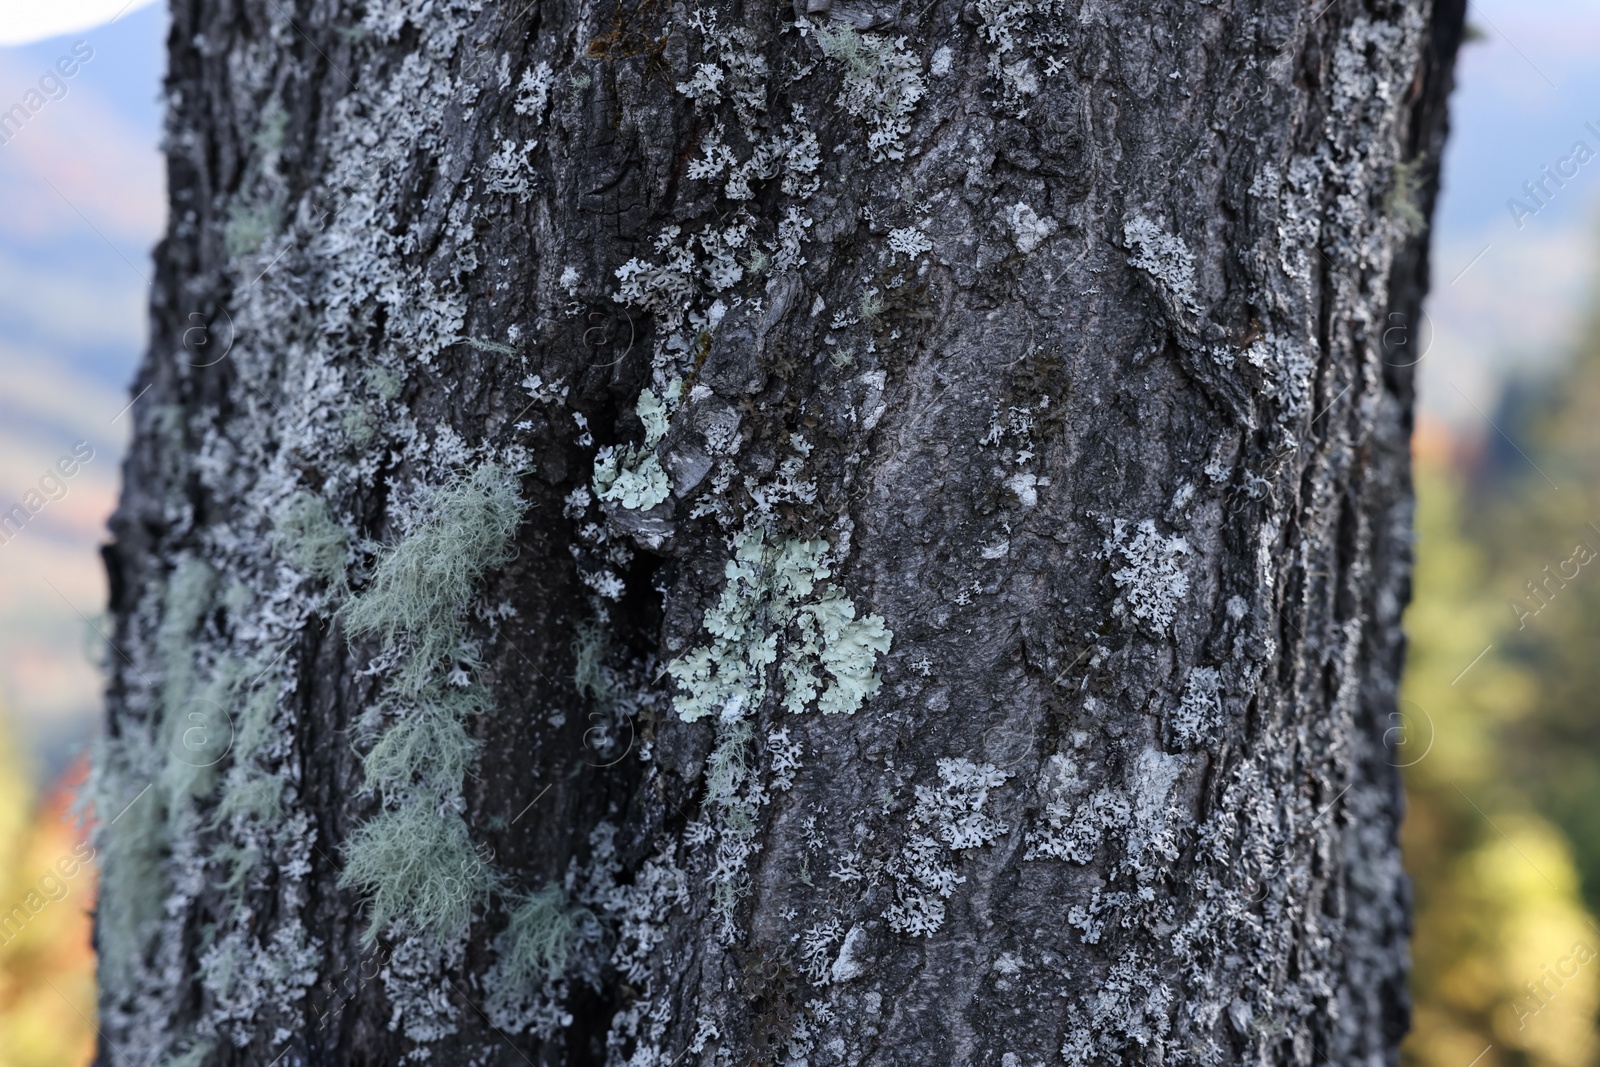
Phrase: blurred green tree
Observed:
(1499, 975)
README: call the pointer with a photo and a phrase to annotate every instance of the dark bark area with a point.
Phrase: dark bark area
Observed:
(950, 608)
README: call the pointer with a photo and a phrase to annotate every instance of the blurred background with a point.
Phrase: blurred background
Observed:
(1499, 734)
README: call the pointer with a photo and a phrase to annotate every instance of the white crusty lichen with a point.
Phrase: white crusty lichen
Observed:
(533, 91)
(1151, 582)
(1027, 43)
(1289, 373)
(784, 757)
(1165, 258)
(1076, 819)
(948, 820)
(909, 241)
(817, 948)
(509, 171)
(1028, 228)
(632, 475)
(636, 915)
(882, 84)
(421, 1005)
(243, 977)
(733, 68)
(1195, 721)
(193, 1055)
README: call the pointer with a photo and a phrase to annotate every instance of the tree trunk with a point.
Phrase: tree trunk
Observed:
(663, 534)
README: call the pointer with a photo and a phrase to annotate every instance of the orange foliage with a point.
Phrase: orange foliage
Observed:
(47, 988)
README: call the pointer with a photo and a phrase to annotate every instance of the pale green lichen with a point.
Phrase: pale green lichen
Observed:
(429, 747)
(384, 381)
(247, 790)
(588, 660)
(420, 871)
(250, 224)
(632, 475)
(357, 426)
(132, 838)
(843, 647)
(146, 775)
(190, 593)
(1406, 195)
(773, 611)
(538, 939)
(770, 583)
(421, 585)
(310, 538)
(415, 860)
(195, 730)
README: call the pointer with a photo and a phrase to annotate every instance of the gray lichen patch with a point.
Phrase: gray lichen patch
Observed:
(1151, 582)
(882, 84)
(1165, 258)
(949, 819)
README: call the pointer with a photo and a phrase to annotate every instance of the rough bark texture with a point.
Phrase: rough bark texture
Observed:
(666, 534)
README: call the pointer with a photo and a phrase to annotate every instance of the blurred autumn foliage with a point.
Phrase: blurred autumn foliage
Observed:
(47, 992)
(1499, 734)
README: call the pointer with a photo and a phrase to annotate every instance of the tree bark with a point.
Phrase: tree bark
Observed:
(873, 534)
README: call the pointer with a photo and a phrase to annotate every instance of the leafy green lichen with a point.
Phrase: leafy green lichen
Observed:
(774, 610)
(632, 475)
(771, 582)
